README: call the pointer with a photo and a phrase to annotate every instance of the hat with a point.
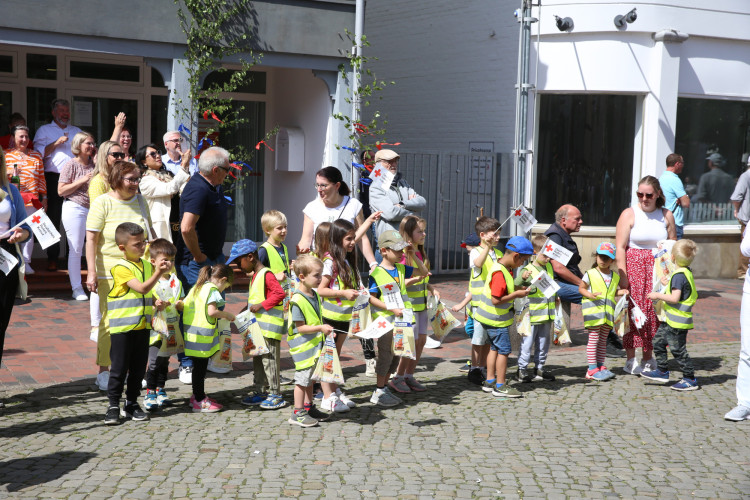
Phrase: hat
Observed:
(607, 249)
(520, 245)
(386, 154)
(392, 239)
(471, 241)
(240, 248)
(716, 159)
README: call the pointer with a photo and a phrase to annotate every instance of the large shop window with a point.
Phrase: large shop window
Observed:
(707, 127)
(585, 156)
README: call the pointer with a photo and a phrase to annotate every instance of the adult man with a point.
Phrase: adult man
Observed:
(676, 197)
(741, 201)
(568, 220)
(715, 186)
(173, 159)
(203, 223)
(53, 143)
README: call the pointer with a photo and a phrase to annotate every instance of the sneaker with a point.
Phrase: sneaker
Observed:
(476, 376)
(150, 400)
(318, 415)
(632, 367)
(254, 399)
(162, 399)
(334, 404)
(465, 368)
(398, 384)
(596, 374)
(285, 380)
(302, 418)
(649, 366)
(393, 395)
(540, 374)
(488, 386)
(506, 391)
(102, 380)
(370, 367)
(431, 343)
(112, 417)
(217, 369)
(208, 405)
(192, 400)
(133, 411)
(608, 375)
(686, 384)
(414, 384)
(656, 375)
(319, 394)
(273, 402)
(523, 375)
(186, 374)
(345, 399)
(738, 414)
(382, 397)
(80, 295)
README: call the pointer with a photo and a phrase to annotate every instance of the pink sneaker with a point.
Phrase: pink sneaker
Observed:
(208, 405)
(192, 400)
(590, 373)
(398, 384)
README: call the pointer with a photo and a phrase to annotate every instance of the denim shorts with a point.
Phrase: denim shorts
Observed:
(499, 340)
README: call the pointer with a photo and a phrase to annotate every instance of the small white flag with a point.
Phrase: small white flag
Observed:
(376, 329)
(44, 230)
(547, 285)
(523, 218)
(555, 251)
(636, 314)
(382, 176)
(391, 295)
(7, 261)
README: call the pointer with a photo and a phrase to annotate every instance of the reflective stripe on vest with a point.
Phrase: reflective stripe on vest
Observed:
(338, 308)
(382, 278)
(126, 312)
(418, 292)
(305, 348)
(600, 311)
(271, 322)
(680, 315)
(275, 263)
(541, 309)
(201, 332)
(476, 283)
(489, 314)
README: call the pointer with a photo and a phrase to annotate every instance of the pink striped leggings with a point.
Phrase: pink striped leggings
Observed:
(596, 349)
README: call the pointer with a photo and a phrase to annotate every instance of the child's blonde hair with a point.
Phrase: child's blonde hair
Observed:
(407, 227)
(538, 241)
(683, 252)
(305, 264)
(271, 219)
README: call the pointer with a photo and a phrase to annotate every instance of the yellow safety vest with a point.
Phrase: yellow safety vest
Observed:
(338, 308)
(680, 315)
(418, 292)
(271, 322)
(126, 312)
(476, 283)
(491, 315)
(276, 263)
(382, 278)
(201, 330)
(305, 347)
(602, 310)
(541, 309)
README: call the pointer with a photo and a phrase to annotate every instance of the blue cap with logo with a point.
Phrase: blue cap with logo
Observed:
(240, 248)
(520, 245)
(606, 248)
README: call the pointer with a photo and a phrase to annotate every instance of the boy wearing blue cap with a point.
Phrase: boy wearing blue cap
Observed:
(495, 313)
(266, 301)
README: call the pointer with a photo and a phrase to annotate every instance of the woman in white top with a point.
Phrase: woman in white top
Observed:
(333, 203)
(159, 187)
(639, 229)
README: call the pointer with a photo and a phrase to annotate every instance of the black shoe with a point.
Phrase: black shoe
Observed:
(614, 340)
(133, 411)
(614, 352)
(476, 376)
(543, 374)
(112, 417)
(523, 375)
(318, 415)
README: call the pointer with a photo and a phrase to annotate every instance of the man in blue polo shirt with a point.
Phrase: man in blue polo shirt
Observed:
(676, 198)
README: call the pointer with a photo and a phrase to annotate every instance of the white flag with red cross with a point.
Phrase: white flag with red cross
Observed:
(523, 218)
(391, 295)
(557, 252)
(376, 329)
(43, 229)
(7, 261)
(547, 285)
(382, 177)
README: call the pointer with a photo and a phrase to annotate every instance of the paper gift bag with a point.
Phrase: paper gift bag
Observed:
(361, 317)
(561, 334)
(443, 322)
(403, 338)
(173, 341)
(622, 321)
(253, 343)
(328, 368)
(223, 357)
(523, 321)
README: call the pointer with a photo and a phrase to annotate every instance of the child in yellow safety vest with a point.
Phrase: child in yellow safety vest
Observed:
(679, 299)
(599, 291)
(274, 254)
(469, 243)
(129, 306)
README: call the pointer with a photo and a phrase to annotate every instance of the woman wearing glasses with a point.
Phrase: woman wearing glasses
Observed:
(160, 189)
(638, 232)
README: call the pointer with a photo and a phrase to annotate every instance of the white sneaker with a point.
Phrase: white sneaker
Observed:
(102, 380)
(738, 414)
(80, 295)
(382, 397)
(649, 366)
(144, 384)
(370, 367)
(431, 343)
(186, 374)
(632, 367)
(334, 404)
(345, 399)
(216, 369)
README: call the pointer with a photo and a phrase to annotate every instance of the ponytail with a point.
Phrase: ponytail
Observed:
(203, 276)
(217, 271)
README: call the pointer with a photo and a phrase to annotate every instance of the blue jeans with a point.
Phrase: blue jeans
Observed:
(499, 340)
(568, 292)
(680, 231)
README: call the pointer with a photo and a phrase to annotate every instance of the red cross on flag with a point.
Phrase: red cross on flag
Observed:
(381, 177)
(556, 252)
(392, 296)
(523, 218)
(376, 329)
(44, 231)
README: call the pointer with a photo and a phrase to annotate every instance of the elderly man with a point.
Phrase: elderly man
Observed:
(173, 159)
(741, 200)
(715, 186)
(398, 201)
(53, 143)
(568, 220)
(676, 197)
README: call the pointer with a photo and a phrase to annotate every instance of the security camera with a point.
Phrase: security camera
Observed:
(628, 18)
(564, 24)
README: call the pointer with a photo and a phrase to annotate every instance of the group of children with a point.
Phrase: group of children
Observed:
(312, 298)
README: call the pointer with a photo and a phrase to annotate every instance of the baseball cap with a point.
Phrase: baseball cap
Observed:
(607, 249)
(716, 159)
(471, 241)
(386, 154)
(240, 248)
(520, 245)
(392, 239)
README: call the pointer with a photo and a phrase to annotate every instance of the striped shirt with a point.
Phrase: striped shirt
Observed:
(97, 187)
(30, 170)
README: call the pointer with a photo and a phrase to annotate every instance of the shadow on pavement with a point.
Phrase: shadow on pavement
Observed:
(58, 395)
(21, 473)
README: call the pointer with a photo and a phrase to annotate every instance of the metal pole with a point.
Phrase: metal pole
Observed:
(359, 26)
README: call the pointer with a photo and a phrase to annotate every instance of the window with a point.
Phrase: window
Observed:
(41, 66)
(255, 83)
(39, 106)
(6, 63)
(585, 156)
(102, 71)
(706, 127)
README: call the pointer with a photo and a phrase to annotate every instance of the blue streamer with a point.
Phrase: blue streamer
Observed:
(242, 163)
(359, 166)
(205, 139)
(229, 199)
(183, 128)
(366, 181)
(349, 149)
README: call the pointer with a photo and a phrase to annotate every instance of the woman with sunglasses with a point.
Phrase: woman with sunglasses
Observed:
(160, 189)
(639, 229)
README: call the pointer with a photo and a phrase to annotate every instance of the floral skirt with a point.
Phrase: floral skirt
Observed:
(639, 265)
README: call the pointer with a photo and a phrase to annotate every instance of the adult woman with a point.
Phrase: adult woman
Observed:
(33, 186)
(121, 204)
(742, 410)
(11, 213)
(638, 231)
(123, 136)
(73, 186)
(160, 189)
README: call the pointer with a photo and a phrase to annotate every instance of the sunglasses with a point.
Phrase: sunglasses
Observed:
(153, 154)
(640, 195)
(117, 156)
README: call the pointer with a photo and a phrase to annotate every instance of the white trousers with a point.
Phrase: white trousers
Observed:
(74, 222)
(743, 369)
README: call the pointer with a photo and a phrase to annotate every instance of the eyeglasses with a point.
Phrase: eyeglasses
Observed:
(132, 180)
(117, 156)
(640, 195)
(153, 154)
(225, 169)
(321, 186)
(172, 140)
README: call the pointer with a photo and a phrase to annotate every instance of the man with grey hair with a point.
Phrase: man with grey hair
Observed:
(741, 201)
(53, 143)
(715, 186)
(173, 158)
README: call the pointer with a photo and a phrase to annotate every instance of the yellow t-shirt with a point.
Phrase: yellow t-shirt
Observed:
(97, 187)
(122, 275)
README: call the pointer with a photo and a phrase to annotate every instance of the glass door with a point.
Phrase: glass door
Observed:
(95, 112)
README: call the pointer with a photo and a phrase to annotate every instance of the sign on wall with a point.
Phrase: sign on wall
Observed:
(480, 167)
